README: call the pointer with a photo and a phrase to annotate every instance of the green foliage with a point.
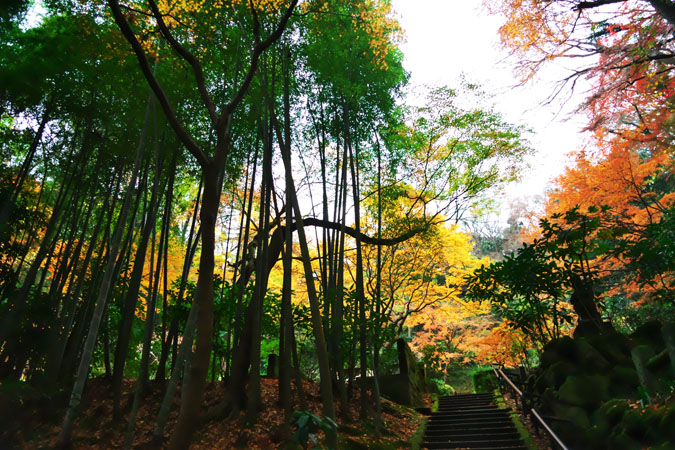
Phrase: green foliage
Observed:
(442, 387)
(527, 286)
(484, 381)
(307, 424)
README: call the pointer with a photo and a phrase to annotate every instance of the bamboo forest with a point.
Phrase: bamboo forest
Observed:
(243, 224)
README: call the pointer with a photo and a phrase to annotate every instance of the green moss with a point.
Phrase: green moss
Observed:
(610, 413)
(577, 414)
(417, 439)
(635, 424)
(659, 362)
(522, 431)
(667, 421)
(622, 441)
(590, 358)
(624, 382)
(587, 391)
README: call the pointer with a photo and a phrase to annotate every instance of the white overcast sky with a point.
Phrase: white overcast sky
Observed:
(445, 38)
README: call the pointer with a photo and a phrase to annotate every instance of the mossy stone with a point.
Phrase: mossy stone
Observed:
(610, 413)
(548, 358)
(622, 441)
(624, 382)
(591, 359)
(563, 348)
(649, 333)
(561, 370)
(635, 424)
(667, 422)
(613, 346)
(587, 391)
(577, 414)
(567, 347)
(659, 362)
(596, 437)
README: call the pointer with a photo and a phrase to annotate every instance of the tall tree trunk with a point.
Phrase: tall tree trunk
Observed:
(257, 301)
(8, 201)
(149, 321)
(131, 299)
(317, 323)
(61, 332)
(187, 265)
(88, 352)
(286, 306)
(188, 417)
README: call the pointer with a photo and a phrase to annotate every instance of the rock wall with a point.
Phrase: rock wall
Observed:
(594, 383)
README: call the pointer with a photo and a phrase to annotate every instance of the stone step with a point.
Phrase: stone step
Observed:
(470, 411)
(482, 415)
(467, 403)
(469, 421)
(488, 443)
(439, 435)
(439, 446)
(464, 436)
(464, 406)
(470, 430)
(483, 394)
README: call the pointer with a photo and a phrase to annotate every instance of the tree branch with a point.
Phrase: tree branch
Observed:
(595, 4)
(190, 58)
(182, 134)
(258, 49)
(315, 222)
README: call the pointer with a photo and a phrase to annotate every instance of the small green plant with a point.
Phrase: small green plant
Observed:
(308, 424)
(443, 388)
(644, 396)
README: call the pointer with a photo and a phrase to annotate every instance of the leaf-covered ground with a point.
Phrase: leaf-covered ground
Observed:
(37, 426)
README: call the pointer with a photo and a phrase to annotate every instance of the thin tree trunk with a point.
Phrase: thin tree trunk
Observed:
(187, 264)
(149, 323)
(253, 387)
(87, 354)
(9, 202)
(131, 299)
(286, 306)
(317, 323)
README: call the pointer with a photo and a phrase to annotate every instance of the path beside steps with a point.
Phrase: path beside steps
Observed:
(471, 421)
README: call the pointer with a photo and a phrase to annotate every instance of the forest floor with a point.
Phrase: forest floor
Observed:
(94, 428)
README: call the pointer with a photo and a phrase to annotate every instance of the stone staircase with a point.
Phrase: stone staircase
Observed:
(471, 421)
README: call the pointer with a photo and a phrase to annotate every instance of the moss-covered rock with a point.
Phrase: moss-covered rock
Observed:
(634, 423)
(624, 382)
(596, 437)
(649, 334)
(587, 391)
(560, 371)
(576, 414)
(613, 346)
(591, 359)
(667, 423)
(610, 413)
(592, 381)
(622, 441)
(659, 362)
